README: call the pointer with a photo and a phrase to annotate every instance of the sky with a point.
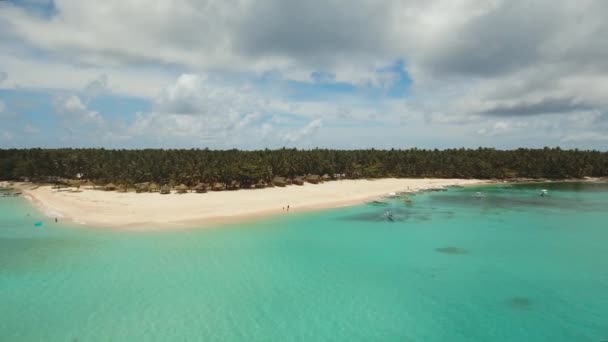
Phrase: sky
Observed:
(253, 74)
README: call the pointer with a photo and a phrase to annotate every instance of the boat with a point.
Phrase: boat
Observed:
(478, 195)
(544, 192)
(389, 215)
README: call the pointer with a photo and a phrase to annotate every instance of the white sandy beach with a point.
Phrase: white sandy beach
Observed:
(152, 210)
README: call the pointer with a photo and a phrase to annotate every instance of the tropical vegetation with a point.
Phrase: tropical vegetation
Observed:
(191, 167)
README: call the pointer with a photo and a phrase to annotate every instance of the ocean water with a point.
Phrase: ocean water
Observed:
(509, 266)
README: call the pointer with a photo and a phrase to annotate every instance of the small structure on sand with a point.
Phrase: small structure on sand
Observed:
(110, 187)
(234, 185)
(181, 189)
(165, 189)
(200, 188)
(217, 186)
(153, 187)
(313, 179)
(142, 187)
(298, 181)
(326, 177)
(261, 184)
(279, 181)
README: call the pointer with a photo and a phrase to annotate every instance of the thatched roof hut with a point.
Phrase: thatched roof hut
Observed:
(153, 187)
(181, 189)
(279, 181)
(298, 181)
(165, 189)
(217, 186)
(200, 188)
(261, 184)
(326, 177)
(234, 185)
(73, 182)
(314, 179)
(110, 187)
(142, 187)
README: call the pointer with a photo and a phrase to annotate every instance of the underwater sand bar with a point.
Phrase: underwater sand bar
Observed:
(153, 211)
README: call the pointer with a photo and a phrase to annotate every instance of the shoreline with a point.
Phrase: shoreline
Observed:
(152, 211)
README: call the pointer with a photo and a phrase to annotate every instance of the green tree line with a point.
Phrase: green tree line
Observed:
(247, 167)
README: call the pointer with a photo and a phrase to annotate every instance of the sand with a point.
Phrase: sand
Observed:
(154, 211)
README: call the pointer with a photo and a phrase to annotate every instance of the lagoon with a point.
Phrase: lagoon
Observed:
(509, 266)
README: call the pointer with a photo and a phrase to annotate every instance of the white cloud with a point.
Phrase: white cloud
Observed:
(6, 135)
(30, 129)
(478, 65)
(586, 137)
(304, 132)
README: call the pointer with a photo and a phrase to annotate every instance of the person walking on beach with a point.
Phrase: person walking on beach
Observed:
(288, 207)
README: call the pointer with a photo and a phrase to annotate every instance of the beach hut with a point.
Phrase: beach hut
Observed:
(153, 187)
(313, 179)
(326, 177)
(234, 185)
(142, 187)
(200, 188)
(298, 181)
(122, 188)
(181, 189)
(217, 186)
(261, 184)
(165, 189)
(109, 187)
(279, 181)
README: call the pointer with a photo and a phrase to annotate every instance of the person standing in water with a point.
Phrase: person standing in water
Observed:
(288, 207)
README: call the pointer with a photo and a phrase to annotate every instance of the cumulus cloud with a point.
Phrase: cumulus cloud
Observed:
(30, 129)
(586, 136)
(194, 107)
(304, 132)
(73, 107)
(476, 64)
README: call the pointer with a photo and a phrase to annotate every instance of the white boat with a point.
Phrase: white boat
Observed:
(389, 215)
(544, 192)
(478, 195)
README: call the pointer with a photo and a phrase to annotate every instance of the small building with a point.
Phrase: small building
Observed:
(298, 181)
(165, 189)
(217, 186)
(326, 177)
(142, 187)
(261, 184)
(279, 181)
(200, 188)
(153, 187)
(313, 179)
(110, 187)
(181, 189)
(234, 185)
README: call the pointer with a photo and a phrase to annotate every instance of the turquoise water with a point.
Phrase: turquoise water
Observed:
(511, 266)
